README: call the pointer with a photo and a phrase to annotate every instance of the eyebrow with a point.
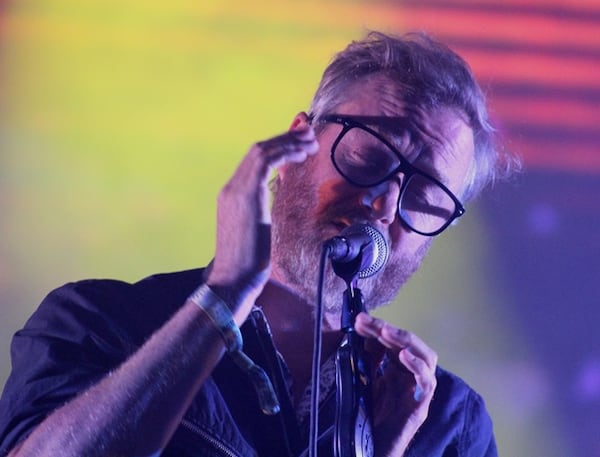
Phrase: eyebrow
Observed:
(392, 128)
(387, 123)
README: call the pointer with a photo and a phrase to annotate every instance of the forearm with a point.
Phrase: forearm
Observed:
(136, 408)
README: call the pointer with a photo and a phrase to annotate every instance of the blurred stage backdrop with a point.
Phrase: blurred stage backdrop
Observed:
(120, 121)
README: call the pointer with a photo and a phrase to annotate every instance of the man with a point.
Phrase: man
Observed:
(396, 138)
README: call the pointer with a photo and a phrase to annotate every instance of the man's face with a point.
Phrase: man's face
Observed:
(314, 202)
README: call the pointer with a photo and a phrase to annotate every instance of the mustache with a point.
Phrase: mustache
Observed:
(343, 216)
(343, 213)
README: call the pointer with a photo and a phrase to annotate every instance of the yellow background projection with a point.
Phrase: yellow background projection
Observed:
(121, 120)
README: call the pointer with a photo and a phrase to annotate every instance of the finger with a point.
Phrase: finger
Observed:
(249, 182)
(388, 335)
(367, 326)
(394, 338)
(293, 146)
(255, 169)
(404, 339)
(425, 380)
(376, 353)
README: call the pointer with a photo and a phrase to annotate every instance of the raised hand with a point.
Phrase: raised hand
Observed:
(403, 391)
(242, 259)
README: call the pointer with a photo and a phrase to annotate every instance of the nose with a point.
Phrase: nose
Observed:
(382, 201)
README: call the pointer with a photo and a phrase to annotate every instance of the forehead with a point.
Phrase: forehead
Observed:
(438, 141)
(375, 95)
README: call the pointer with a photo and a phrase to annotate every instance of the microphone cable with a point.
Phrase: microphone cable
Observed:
(316, 359)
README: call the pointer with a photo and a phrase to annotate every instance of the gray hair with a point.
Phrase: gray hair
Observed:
(429, 75)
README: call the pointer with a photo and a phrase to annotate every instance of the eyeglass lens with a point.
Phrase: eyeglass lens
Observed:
(424, 205)
(365, 160)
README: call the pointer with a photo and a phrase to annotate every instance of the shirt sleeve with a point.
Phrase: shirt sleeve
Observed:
(458, 423)
(66, 346)
(478, 436)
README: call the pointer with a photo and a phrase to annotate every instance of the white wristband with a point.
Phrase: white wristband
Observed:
(218, 312)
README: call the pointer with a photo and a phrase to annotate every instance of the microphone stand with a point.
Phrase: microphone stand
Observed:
(359, 252)
(353, 435)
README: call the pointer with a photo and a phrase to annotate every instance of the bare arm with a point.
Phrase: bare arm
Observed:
(146, 396)
(149, 393)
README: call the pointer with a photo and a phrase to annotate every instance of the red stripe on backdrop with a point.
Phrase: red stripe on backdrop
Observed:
(542, 56)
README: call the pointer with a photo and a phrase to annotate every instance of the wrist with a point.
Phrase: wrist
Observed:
(216, 310)
(220, 315)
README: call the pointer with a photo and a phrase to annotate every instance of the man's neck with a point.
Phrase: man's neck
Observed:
(291, 320)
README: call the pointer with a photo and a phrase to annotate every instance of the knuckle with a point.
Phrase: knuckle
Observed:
(259, 146)
(421, 415)
(405, 336)
(261, 153)
(429, 385)
(226, 191)
(223, 193)
(258, 150)
(379, 324)
(418, 417)
(433, 384)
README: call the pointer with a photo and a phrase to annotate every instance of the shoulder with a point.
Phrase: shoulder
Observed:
(452, 391)
(127, 308)
(454, 398)
(104, 293)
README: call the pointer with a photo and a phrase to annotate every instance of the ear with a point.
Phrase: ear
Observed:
(300, 121)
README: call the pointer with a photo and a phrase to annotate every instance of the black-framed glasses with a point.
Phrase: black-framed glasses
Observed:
(366, 159)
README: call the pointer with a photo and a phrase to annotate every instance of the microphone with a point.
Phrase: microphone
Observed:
(358, 251)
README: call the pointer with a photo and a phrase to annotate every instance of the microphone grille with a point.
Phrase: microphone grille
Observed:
(380, 254)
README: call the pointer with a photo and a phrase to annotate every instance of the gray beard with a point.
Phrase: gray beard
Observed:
(298, 236)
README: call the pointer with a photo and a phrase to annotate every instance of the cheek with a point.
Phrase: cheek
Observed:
(406, 244)
(335, 195)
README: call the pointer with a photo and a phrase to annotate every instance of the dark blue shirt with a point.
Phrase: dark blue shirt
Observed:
(83, 330)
